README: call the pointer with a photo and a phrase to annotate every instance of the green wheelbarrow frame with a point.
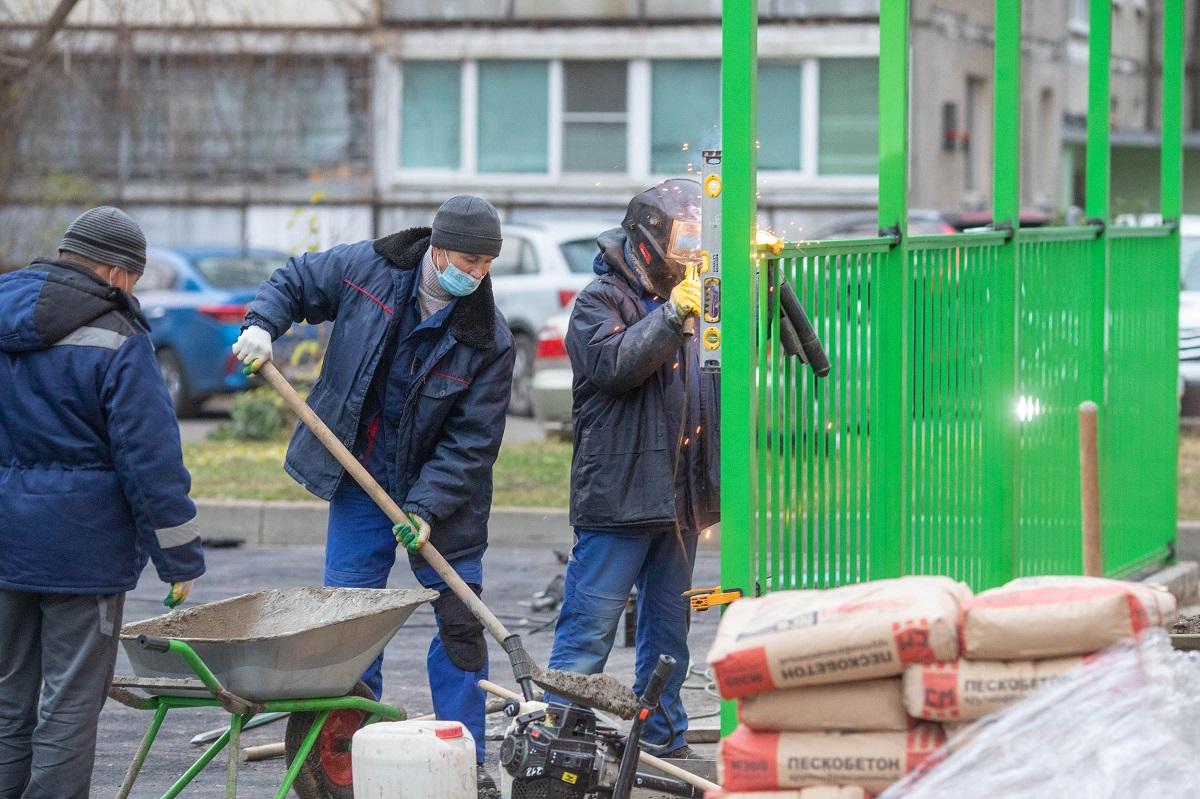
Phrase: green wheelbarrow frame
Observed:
(240, 712)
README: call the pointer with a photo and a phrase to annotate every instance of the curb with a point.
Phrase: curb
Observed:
(302, 523)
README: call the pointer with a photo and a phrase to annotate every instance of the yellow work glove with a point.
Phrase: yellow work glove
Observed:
(413, 535)
(178, 593)
(685, 297)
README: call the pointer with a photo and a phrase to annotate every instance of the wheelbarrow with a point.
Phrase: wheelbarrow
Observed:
(295, 650)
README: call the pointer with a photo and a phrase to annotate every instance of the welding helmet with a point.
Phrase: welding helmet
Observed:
(663, 227)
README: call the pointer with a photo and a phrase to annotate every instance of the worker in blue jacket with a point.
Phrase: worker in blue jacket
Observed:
(644, 472)
(92, 484)
(416, 380)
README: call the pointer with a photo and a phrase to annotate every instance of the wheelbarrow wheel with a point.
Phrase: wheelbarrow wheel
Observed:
(326, 771)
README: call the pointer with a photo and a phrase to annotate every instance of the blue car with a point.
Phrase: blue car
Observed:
(195, 299)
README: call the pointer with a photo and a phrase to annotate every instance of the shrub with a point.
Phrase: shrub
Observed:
(257, 415)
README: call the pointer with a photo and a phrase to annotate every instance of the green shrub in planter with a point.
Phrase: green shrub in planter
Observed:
(257, 414)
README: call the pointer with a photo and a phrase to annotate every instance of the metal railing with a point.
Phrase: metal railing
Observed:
(946, 437)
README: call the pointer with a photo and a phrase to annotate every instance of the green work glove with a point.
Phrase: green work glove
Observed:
(178, 593)
(413, 534)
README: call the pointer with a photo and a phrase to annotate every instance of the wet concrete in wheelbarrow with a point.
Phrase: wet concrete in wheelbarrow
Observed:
(512, 575)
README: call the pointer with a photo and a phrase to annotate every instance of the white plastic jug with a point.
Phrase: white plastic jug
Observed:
(413, 760)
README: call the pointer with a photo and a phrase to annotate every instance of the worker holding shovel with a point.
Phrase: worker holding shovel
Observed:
(417, 381)
(92, 485)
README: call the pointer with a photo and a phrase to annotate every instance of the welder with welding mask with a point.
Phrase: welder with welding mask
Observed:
(644, 474)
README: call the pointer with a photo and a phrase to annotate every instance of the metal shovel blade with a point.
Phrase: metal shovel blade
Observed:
(598, 691)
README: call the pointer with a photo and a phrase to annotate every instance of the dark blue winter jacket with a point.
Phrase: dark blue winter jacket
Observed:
(92, 481)
(453, 415)
(633, 466)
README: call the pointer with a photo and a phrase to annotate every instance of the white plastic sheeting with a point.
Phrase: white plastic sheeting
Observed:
(1127, 726)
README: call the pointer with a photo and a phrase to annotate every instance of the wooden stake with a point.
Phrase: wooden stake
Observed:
(1089, 489)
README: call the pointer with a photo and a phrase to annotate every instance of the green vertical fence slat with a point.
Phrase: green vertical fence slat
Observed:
(890, 403)
(739, 71)
(998, 536)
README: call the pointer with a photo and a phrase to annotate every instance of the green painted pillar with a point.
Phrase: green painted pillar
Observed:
(1098, 177)
(890, 308)
(1000, 531)
(739, 70)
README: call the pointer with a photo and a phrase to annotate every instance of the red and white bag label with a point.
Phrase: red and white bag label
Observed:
(764, 761)
(811, 792)
(865, 705)
(1045, 617)
(965, 690)
(791, 639)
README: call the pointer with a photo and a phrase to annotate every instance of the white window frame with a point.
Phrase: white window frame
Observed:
(637, 128)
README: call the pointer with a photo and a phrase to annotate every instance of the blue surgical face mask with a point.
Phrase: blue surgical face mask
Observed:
(456, 281)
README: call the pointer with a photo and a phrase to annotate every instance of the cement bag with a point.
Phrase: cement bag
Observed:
(866, 705)
(758, 761)
(1043, 617)
(859, 632)
(812, 792)
(965, 690)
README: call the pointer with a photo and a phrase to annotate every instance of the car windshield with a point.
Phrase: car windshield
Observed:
(579, 254)
(236, 271)
(1189, 263)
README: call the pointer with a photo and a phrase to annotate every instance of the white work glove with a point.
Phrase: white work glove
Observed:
(178, 593)
(253, 347)
(414, 535)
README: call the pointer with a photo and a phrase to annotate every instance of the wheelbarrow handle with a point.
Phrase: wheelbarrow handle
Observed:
(154, 643)
(361, 476)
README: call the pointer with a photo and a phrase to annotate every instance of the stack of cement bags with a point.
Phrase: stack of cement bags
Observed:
(846, 690)
(1028, 634)
(817, 676)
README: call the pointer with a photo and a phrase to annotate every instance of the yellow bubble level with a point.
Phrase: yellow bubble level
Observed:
(712, 338)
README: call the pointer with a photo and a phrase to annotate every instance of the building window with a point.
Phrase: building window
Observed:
(848, 129)
(640, 119)
(513, 116)
(685, 99)
(430, 111)
(780, 130)
(594, 116)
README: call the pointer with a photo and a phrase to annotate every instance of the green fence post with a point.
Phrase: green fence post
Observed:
(1000, 531)
(891, 415)
(739, 69)
(1171, 203)
(1097, 208)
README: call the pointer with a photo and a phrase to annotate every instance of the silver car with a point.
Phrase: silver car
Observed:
(538, 273)
(552, 377)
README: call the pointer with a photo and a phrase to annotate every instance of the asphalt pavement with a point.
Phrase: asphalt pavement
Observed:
(512, 575)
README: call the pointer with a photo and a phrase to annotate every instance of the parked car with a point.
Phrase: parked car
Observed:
(865, 224)
(1189, 314)
(195, 299)
(540, 270)
(551, 385)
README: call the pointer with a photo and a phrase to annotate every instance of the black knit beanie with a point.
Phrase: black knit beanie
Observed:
(107, 235)
(466, 223)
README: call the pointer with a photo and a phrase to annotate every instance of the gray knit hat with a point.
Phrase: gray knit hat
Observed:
(467, 224)
(107, 235)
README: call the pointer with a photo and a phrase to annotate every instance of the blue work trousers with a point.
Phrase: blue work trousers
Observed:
(604, 567)
(360, 550)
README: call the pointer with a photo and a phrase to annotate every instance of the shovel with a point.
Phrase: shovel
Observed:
(596, 690)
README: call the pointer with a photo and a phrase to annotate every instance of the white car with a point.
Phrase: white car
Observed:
(552, 377)
(1189, 313)
(538, 273)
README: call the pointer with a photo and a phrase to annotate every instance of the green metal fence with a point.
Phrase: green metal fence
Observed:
(945, 439)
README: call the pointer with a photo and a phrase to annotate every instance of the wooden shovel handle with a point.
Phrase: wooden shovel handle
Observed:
(361, 476)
